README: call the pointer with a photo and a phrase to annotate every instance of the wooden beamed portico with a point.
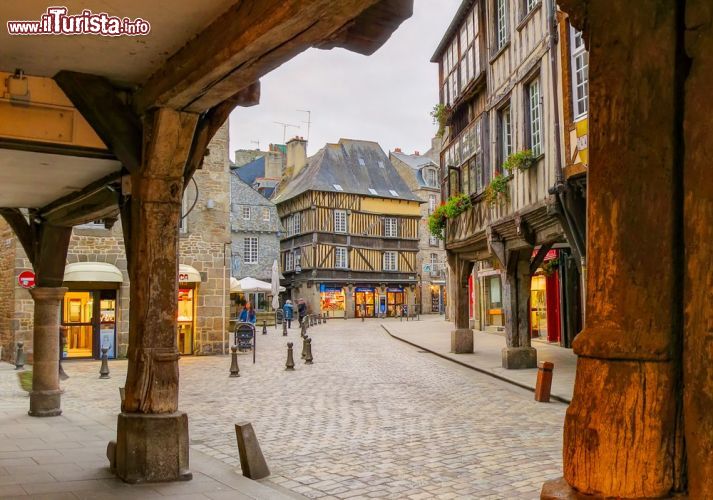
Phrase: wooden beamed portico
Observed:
(154, 118)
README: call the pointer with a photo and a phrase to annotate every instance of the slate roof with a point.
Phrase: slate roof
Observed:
(417, 162)
(341, 164)
(251, 170)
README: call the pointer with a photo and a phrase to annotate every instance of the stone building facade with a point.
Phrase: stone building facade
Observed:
(422, 175)
(255, 232)
(204, 246)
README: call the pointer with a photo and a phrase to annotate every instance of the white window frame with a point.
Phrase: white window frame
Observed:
(530, 5)
(506, 144)
(251, 250)
(246, 212)
(390, 261)
(431, 203)
(266, 214)
(501, 24)
(391, 227)
(580, 74)
(340, 221)
(289, 261)
(341, 258)
(534, 117)
(432, 240)
(296, 224)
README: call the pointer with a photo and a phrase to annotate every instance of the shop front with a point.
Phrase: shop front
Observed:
(364, 302)
(379, 301)
(332, 300)
(188, 283)
(89, 309)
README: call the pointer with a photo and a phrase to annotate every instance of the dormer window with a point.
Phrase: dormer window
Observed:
(430, 177)
(393, 193)
(373, 191)
(337, 187)
(361, 162)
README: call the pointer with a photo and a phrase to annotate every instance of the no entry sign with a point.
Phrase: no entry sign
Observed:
(26, 279)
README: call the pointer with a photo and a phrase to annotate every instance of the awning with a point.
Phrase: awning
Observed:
(235, 285)
(188, 274)
(251, 285)
(92, 271)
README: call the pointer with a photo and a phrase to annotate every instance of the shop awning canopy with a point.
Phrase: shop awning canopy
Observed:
(188, 274)
(92, 271)
(251, 285)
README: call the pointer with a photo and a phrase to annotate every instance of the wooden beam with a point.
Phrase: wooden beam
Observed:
(524, 230)
(22, 228)
(539, 257)
(72, 198)
(251, 39)
(53, 243)
(113, 121)
(210, 122)
(98, 204)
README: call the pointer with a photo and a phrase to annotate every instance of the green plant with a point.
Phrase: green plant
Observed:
(522, 160)
(455, 206)
(25, 378)
(440, 115)
(550, 266)
(497, 190)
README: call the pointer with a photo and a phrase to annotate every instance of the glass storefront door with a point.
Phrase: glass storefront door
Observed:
(90, 318)
(364, 302)
(394, 302)
(186, 325)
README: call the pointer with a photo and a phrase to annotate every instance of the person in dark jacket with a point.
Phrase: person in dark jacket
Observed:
(301, 309)
(288, 309)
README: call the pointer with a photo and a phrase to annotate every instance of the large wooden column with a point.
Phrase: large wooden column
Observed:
(518, 352)
(623, 433)
(698, 237)
(152, 435)
(462, 336)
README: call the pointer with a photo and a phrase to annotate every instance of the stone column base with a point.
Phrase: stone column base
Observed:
(517, 358)
(45, 403)
(150, 448)
(559, 489)
(462, 341)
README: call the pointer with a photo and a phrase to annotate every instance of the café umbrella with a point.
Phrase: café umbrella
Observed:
(276, 285)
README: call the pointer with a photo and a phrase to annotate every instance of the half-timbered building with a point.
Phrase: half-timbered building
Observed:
(352, 230)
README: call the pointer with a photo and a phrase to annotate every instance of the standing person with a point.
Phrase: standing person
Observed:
(301, 309)
(247, 315)
(289, 312)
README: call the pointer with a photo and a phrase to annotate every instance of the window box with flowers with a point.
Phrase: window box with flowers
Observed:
(450, 209)
(497, 192)
(522, 160)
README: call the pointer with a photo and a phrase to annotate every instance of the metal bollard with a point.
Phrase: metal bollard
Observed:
(304, 347)
(284, 328)
(234, 368)
(326, 315)
(62, 343)
(544, 381)
(20, 356)
(308, 355)
(264, 327)
(290, 365)
(104, 370)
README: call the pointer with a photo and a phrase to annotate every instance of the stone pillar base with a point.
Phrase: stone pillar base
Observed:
(45, 403)
(559, 489)
(517, 358)
(150, 448)
(462, 341)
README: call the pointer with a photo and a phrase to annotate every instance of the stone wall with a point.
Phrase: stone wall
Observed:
(7, 291)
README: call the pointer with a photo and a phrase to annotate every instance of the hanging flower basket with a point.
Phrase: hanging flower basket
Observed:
(522, 160)
(497, 190)
(455, 206)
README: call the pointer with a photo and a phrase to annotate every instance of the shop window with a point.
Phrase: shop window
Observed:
(185, 320)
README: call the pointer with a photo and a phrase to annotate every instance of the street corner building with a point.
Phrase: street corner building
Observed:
(513, 119)
(352, 231)
(94, 311)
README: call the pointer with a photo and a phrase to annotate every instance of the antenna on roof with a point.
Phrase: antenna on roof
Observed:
(257, 144)
(284, 129)
(309, 120)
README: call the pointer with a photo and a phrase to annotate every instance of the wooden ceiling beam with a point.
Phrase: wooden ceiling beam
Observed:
(255, 37)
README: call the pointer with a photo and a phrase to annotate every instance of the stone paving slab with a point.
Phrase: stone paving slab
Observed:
(433, 334)
(371, 418)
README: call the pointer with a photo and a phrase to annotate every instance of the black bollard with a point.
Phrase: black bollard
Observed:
(264, 327)
(326, 315)
(304, 347)
(319, 318)
(234, 368)
(308, 355)
(290, 365)
(284, 328)
(104, 370)
(20, 356)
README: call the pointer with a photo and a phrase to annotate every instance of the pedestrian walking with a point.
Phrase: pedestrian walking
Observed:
(247, 315)
(288, 309)
(301, 309)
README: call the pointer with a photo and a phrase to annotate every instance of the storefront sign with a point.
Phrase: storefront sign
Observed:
(395, 289)
(363, 289)
(183, 277)
(26, 279)
(326, 288)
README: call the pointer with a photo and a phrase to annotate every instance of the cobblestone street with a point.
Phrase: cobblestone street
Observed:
(372, 417)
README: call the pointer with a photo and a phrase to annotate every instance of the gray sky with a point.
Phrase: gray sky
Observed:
(386, 97)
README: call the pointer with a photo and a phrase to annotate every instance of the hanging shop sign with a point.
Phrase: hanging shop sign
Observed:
(26, 279)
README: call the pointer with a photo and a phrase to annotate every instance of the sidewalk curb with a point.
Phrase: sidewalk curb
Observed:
(480, 370)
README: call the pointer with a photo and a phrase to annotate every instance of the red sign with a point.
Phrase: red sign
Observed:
(26, 279)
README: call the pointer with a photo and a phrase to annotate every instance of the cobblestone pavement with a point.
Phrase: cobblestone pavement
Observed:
(371, 418)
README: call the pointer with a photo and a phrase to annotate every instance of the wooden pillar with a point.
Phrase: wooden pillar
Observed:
(698, 237)
(152, 435)
(518, 352)
(462, 336)
(622, 434)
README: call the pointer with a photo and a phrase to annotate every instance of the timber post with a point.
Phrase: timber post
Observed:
(462, 336)
(518, 352)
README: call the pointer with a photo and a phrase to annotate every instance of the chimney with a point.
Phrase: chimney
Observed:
(296, 155)
(397, 150)
(416, 153)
